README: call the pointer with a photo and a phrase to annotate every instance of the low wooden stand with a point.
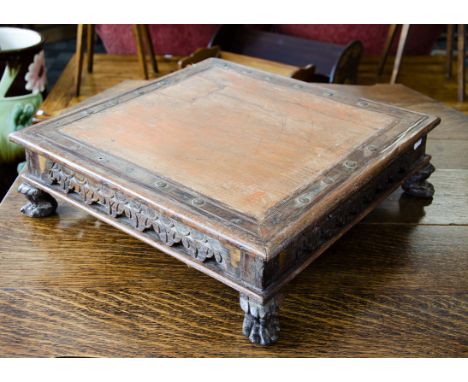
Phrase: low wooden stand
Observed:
(243, 175)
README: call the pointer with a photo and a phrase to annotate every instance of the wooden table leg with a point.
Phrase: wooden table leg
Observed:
(449, 50)
(140, 50)
(79, 58)
(150, 49)
(392, 29)
(461, 63)
(90, 47)
(399, 54)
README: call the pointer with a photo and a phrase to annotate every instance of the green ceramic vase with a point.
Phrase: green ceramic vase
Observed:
(23, 80)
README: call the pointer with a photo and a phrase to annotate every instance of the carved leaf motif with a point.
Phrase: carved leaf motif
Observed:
(169, 231)
(191, 247)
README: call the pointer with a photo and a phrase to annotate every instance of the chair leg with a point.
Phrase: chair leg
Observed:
(399, 54)
(461, 63)
(90, 54)
(149, 46)
(449, 50)
(392, 29)
(79, 58)
(140, 50)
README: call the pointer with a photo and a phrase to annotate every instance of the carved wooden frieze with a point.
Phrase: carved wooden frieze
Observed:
(168, 231)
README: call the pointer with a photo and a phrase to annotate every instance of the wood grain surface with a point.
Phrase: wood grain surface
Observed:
(395, 285)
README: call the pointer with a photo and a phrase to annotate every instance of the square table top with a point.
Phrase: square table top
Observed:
(232, 149)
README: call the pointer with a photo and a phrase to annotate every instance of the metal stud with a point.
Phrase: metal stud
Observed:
(350, 164)
(328, 180)
(161, 184)
(198, 202)
(275, 219)
(303, 200)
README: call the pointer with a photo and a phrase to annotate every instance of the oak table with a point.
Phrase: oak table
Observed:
(395, 285)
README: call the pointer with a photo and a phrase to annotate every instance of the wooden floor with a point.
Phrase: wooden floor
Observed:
(425, 74)
(396, 285)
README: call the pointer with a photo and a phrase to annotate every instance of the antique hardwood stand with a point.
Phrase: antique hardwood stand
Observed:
(198, 171)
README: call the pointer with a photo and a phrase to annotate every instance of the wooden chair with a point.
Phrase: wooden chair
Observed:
(199, 55)
(392, 31)
(461, 69)
(142, 37)
(333, 63)
(305, 74)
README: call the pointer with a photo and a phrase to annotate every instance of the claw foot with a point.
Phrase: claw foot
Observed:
(261, 321)
(40, 204)
(418, 186)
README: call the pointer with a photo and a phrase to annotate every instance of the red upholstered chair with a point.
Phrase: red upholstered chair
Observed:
(179, 40)
(143, 43)
(184, 39)
(372, 36)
